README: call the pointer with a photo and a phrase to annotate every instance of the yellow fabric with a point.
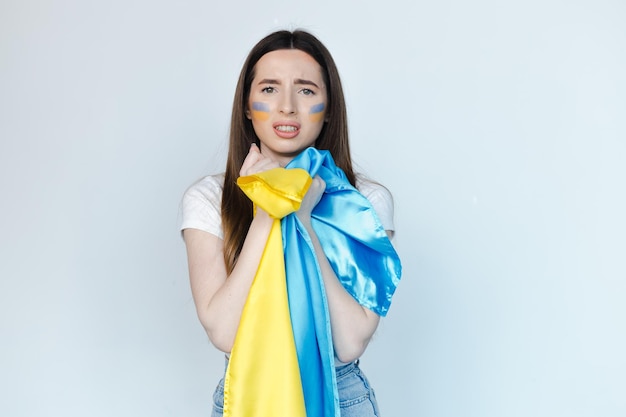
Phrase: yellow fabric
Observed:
(278, 191)
(263, 377)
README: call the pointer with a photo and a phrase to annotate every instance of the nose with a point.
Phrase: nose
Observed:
(288, 103)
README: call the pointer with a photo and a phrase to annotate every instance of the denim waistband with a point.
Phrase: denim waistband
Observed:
(340, 370)
(346, 369)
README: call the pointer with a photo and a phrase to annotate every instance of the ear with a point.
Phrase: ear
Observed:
(248, 113)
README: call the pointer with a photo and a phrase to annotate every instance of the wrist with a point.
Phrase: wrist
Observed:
(305, 219)
(261, 216)
(303, 216)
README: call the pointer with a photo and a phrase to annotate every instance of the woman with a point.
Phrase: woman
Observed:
(289, 109)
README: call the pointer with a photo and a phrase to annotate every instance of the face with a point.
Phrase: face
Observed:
(287, 104)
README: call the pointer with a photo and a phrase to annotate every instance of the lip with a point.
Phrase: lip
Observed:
(286, 135)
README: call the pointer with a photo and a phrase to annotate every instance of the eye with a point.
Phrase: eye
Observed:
(307, 92)
(268, 90)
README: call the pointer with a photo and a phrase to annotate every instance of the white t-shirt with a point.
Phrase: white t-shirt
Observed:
(201, 205)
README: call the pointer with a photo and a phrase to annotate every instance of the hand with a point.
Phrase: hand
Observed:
(311, 198)
(256, 162)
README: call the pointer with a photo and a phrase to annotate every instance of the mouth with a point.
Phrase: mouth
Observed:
(286, 130)
(283, 128)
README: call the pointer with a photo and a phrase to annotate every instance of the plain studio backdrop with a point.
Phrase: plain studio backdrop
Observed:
(498, 126)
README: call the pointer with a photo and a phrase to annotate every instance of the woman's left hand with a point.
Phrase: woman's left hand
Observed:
(311, 198)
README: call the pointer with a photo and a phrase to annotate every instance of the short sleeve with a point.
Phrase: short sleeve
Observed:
(381, 199)
(201, 206)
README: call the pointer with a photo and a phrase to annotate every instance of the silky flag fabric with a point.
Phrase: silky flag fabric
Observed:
(352, 235)
(263, 378)
(363, 258)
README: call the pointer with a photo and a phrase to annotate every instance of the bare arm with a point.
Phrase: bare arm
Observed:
(219, 297)
(352, 324)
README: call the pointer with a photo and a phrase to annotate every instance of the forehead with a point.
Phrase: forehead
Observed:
(288, 63)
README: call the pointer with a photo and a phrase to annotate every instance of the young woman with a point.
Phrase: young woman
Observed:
(289, 112)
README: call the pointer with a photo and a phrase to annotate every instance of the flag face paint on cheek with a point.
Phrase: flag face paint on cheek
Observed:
(260, 111)
(316, 114)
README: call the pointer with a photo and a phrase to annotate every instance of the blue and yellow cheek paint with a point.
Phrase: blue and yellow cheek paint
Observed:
(260, 111)
(317, 112)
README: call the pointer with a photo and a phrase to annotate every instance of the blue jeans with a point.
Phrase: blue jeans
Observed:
(356, 396)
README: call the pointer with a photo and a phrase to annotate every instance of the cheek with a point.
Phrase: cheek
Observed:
(317, 112)
(260, 111)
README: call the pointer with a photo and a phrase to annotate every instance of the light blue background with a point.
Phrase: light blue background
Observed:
(499, 127)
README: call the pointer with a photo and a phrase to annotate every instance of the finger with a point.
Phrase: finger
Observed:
(256, 162)
(263, 164)
(318, 183)
(251, 159)
(267, 163)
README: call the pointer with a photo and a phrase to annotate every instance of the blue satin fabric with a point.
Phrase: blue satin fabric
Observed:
(363, 259)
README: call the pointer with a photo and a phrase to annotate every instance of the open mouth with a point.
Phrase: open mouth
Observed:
(284, 128)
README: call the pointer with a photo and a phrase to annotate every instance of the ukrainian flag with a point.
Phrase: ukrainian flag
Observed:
(282, 361)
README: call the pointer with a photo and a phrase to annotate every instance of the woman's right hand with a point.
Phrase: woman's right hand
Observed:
(256, 162)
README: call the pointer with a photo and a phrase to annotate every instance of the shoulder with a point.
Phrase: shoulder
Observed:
(373, 190)
(380, 198)
(201, 205)
(207, 188)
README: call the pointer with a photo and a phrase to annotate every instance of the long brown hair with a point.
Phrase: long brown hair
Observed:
(236, 207)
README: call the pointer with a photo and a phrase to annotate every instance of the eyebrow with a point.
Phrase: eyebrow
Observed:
(297, 81)
(268, 81)
(300, 81)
